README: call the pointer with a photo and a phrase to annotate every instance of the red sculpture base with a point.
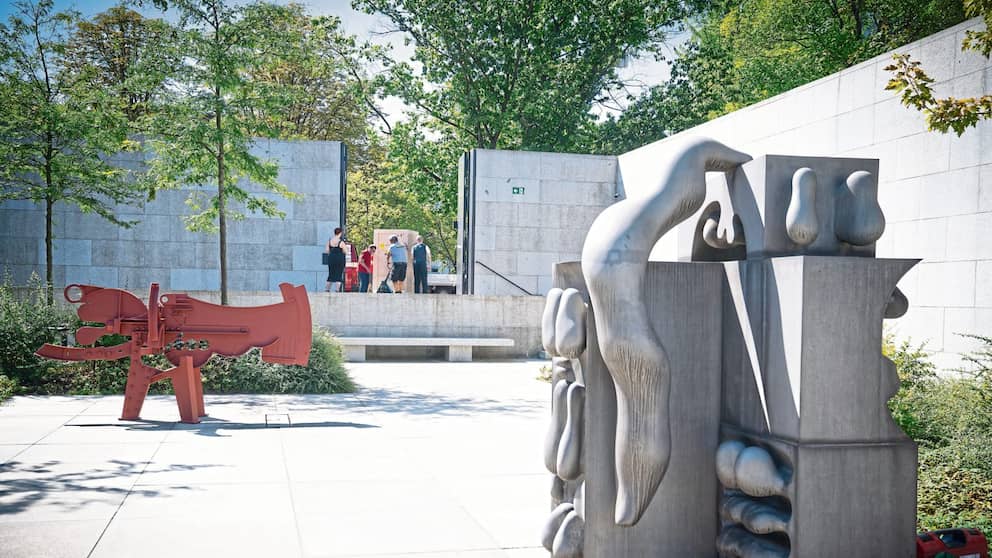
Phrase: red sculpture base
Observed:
(187, 332)
(187, 383)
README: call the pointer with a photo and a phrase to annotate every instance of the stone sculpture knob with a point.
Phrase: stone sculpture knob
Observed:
(859, 219)
(800, 220)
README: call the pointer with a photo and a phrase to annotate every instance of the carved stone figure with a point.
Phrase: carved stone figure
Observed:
(614, 264)
(734, 403)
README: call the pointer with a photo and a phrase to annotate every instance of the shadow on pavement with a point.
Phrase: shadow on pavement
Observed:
(25, 485)
(385, 400)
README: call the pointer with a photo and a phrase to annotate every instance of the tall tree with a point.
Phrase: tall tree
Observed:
(744, 51)
(126, 53)
(331, 95)
(508, 73)
(56, 131)
(203, 130)
(503, 74)
(378, 200)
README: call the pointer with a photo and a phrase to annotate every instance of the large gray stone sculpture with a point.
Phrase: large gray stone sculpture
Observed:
(563, 331)
(614, 264)
(733, 404)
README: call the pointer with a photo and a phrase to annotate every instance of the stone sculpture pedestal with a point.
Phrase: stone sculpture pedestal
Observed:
(780, 353)
(686, 309)
(804, 378)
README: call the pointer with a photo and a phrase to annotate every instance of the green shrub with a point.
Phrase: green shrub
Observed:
(247, 373)
(324, 373)
(26, 323)
(8, 387)
(951, 420)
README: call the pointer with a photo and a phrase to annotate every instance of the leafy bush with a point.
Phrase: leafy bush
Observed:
(8, 387)
(951, 420)
(324, 373)
(26, 323)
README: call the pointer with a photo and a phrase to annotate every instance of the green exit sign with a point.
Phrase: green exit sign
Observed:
(518, 190)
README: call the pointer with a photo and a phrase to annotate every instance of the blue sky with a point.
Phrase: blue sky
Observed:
(354, 22)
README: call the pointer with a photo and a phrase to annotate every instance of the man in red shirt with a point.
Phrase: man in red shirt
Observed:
(365, 268)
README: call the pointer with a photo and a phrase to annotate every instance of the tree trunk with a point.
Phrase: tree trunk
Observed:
(221, 209)
(49, 279)
(49, 237)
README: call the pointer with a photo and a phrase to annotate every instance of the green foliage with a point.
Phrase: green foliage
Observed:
(126, 55)
(203, 129)
(518, 74)
(913, 84)
(330, 97)
(324, 373)
(27, 322)
(951, 420)
(955, 486)
(55, 128)
(499, 74)
(744, 51)
(8, 387)
(385, 192)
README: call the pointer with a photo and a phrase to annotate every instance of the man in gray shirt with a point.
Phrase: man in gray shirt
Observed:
(396, 260)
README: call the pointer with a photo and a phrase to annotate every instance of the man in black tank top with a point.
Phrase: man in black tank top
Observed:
(421, 265)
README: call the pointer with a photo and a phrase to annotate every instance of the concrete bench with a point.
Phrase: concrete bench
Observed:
(459, 348)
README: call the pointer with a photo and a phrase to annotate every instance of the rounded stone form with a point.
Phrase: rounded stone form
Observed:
(559, 415)
(898, 305)
(726, 460)
(579, 500)
(568, 540)
(801, 222)
(553, 524)
(569, 464)
(548, 318)
(860, 220)
(557, 490)
(570, 324)
(757, 475)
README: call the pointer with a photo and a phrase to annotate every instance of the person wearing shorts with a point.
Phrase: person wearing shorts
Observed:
(396, 259)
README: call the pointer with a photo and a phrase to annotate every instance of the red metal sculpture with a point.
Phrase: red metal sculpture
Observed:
(187, 331)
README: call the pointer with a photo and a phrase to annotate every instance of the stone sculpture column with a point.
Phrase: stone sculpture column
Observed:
(735, 404)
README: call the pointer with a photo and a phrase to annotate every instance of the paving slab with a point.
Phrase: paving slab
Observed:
(50, 539)
(426, 460)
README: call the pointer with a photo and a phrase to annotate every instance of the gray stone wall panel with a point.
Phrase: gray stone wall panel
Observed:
(159, 248)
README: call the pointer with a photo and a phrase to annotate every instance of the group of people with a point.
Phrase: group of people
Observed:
(396, 262)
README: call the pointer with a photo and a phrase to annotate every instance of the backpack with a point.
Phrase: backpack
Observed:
(384, 288)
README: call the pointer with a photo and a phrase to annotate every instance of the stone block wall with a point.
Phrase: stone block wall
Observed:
(531, 211)
(261, 251)
(382, 315)
(935, 189)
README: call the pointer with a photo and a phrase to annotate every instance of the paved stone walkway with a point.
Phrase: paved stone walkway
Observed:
(429, 459)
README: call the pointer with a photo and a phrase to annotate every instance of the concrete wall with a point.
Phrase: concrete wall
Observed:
(935, 189)
(354, 314)
(521, 235)
(262, 251)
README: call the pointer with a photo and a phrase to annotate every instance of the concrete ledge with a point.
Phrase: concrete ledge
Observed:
(459, 348)
(356, 315)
